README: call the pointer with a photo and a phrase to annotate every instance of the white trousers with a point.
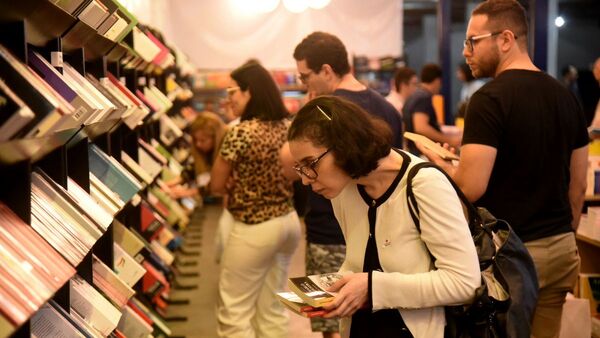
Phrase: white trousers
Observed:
(254, 267)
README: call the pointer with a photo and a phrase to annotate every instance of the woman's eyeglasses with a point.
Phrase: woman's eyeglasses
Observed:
(308, 169)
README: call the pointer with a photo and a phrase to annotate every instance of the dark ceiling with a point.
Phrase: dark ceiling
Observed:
(569, 9)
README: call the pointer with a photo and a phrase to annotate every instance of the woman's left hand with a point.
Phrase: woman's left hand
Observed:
(352, 295)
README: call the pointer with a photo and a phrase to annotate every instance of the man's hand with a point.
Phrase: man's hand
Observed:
(352, 295)
(447, 165)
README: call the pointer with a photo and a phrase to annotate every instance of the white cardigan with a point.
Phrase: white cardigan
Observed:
(408, 281)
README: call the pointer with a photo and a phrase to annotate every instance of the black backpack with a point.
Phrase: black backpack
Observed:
(504, 311)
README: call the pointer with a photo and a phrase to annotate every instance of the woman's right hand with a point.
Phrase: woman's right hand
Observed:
(352, 295)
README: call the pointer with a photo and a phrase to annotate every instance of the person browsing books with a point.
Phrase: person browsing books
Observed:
(322, 64)
(391, 286)
(524, 153)
(266, 230)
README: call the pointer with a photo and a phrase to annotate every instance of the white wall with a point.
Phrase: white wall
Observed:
(216, 35)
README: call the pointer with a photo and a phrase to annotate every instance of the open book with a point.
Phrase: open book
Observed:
(312, 289)
(433, 146)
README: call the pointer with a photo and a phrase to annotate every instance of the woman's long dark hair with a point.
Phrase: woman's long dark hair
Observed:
(265, 98)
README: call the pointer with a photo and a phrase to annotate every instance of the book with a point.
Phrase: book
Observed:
(14, 113)
(433, 146)
(295, 304)
(126, 267)
(48, 322)
(125, 238)
(313, 289)
(95, 310)
(133, 325)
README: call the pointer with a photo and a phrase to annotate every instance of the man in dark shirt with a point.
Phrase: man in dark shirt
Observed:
(418, 112)
(524, 153)
(322, 63)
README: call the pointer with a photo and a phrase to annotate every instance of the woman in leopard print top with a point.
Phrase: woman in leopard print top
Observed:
(266, 231)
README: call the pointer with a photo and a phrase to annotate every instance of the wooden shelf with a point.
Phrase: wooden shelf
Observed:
(588, 240)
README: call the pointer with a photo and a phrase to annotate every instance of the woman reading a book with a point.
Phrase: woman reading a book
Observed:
(266, 230)
(392, 287)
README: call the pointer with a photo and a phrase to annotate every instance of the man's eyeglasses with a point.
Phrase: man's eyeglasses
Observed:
(470, 42)
(231, 90)
(303, 77)
(308, 169)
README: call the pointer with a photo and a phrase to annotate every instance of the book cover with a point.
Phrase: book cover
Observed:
(93, 307)
(126, 239)
(433, 146)
(132, 325)
(312, 289)
(126, 267)
(47, 322)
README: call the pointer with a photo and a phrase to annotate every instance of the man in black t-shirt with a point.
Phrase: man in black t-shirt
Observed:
(524, 153)
(322, 63)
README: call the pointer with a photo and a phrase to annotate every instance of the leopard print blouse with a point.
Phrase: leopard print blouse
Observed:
(260, 191)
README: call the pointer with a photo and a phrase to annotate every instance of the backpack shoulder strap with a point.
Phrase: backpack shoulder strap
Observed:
(413, 207)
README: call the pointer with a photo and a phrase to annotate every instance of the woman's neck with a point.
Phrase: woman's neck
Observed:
(379, 180)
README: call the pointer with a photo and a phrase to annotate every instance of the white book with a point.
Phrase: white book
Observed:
(110, 283)
(162, 252)
(91, 206)
(169, 132)
(118, 94)
(132, 325)
(126, 267)
(136, 168)
(142, 44)
(151, 166)
(93, 14)
(116, 29)
(93, 307)
(66, 207)
(48, 322)
(104, 105)
(127, 240)
(105, 197)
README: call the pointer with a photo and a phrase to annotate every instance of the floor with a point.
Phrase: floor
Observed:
(200, 312)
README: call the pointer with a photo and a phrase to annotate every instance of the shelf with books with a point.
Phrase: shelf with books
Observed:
(60, 156)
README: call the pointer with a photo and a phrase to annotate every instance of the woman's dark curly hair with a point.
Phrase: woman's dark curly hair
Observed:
(357, 139)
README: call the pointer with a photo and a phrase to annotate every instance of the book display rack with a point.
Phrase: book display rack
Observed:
(88, 103)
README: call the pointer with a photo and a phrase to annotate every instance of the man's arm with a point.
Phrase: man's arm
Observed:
(578, 183)
(421, 126)
(474, 169)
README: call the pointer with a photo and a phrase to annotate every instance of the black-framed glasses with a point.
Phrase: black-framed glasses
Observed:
(308, 169)
(470, 42)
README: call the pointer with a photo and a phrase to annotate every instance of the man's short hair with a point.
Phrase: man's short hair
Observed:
(505, 14)
(403, 75)
(321, 48)
(430, 72)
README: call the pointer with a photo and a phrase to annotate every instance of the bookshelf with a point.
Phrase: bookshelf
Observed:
(49, 176)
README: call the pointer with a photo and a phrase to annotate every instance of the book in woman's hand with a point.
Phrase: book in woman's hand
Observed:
(313, 289)
(296, 305)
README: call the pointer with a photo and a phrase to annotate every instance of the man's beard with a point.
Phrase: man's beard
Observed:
(487, 67)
